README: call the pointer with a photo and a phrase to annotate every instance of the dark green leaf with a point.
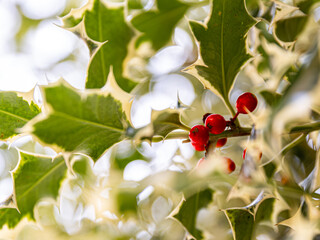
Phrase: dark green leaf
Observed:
(127, 201)
(35, 178)
(157, 25)
(108, 26)
(264, 211)
(269, 169)
(306, 5)
(271, 98)
(241, 222)
(89, 124)
(287, 30)
(14, 113)
(223, 44)
(188, 212)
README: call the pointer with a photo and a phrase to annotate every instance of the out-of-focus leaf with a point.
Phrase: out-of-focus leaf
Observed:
(305, 5)
(270, 97)
(157, 25)
(14, 113)
(264, 210)
(162, 123)
(287, 30)
(223, 44)
(89, 123)
(124, 156)
(35, 178)
(75, 16)
(135, 4)
(189, 209)
(241, 222)
(304, 227)
(71, 21)
(127, 201)
(269, 170)
(108, 26)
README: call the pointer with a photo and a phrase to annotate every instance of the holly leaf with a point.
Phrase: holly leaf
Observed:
(189, 209)
(287, 30)
(264, 210)
(157, 25)
(88, 123)
(108, 26)
(223, 44)
(124, 154)
(241, 222)
(15, 112)
(306, 5)
(35, 178)
(162, 123)
(271, 98)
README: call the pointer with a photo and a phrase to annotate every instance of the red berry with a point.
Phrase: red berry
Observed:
(216, 123)
(198, 147)
(199, 135)
(221, 142)
(231, 166)
(246, 102)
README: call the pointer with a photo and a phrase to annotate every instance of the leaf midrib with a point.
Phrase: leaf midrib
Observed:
(101, 40)
(222, 53)
(14, 115)
(64, 115)
(40, 180)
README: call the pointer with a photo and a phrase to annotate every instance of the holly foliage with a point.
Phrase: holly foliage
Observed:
(88, 171)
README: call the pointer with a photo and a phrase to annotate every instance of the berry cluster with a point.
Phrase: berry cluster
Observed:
(216, 124)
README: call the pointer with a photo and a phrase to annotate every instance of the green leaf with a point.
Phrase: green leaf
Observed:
(287, 30)
(241, 222)
(35, 178)
(272, 98)
(89, 123)
(157, 25)
(71, 21)
(265, 210)
(189, 209)
(162, 123)
(127, 201)
(108, 26)
(135, 4)
(306, 5)
(14, 113)
(125, 155)
(223, 45)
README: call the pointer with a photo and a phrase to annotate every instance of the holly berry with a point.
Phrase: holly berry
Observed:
(199, 135)
(246, 102)
(215, 123)
(231, 166)
(198, 147)
(221, 142)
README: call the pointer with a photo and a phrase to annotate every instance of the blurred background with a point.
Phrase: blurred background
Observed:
(36, 51)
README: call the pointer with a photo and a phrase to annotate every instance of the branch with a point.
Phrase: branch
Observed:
(238, 132)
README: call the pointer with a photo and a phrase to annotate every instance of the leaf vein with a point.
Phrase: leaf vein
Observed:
(14, 115)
